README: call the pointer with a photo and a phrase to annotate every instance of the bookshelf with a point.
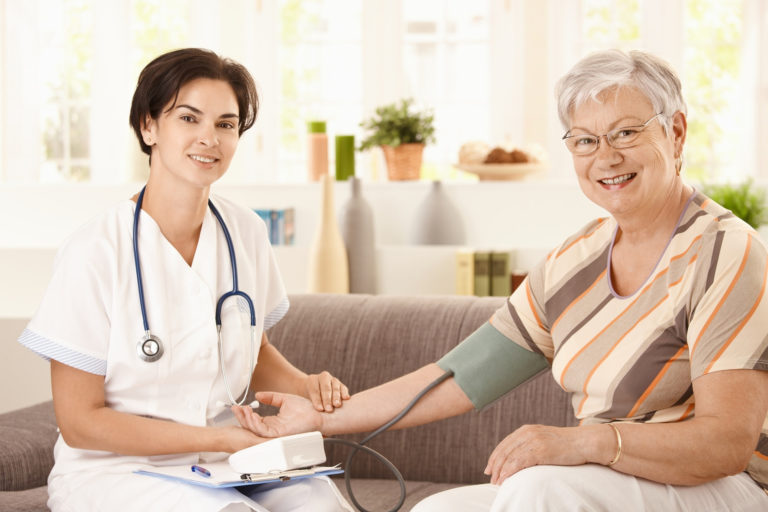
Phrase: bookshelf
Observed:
(401, 269)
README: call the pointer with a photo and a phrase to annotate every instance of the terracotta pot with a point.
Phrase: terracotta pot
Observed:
(403, 161)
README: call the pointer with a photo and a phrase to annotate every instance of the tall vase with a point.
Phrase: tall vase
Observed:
(328, 268)
(438, 221)
(356, 222)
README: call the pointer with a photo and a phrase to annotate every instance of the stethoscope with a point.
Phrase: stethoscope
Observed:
(150, 348)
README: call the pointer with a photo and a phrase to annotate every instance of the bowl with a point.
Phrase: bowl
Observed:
(502, 172)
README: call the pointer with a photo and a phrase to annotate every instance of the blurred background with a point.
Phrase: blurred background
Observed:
(485, 67)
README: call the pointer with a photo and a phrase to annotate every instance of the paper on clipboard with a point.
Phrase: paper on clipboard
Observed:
(222, 474)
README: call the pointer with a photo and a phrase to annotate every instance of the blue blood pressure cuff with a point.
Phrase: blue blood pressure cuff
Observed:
(487, 364)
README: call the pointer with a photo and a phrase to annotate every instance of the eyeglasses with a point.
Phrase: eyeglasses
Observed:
(620, 138)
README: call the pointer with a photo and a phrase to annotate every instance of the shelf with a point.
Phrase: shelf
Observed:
(401, 269)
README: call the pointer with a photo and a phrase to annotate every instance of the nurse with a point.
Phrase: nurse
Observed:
(121, 403)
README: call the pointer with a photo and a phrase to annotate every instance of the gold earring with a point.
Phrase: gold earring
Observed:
(679, 165)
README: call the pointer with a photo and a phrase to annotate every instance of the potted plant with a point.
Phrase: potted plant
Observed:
(402, 134)
(744, 200)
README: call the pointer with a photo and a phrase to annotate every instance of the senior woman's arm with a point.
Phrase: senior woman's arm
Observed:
(731, 406)
(730, 410)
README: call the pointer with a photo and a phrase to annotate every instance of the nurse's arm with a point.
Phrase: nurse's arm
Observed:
(275, 373)
(86, 422)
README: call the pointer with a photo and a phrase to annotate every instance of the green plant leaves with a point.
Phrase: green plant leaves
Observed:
(744, 200)
(397, 124)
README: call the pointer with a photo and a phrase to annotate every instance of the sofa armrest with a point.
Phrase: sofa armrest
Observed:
(27, 437)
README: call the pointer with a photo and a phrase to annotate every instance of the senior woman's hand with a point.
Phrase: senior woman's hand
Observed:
(536, 445)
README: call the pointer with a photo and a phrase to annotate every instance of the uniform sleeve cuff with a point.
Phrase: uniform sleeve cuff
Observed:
(276, 314)
(49, 349)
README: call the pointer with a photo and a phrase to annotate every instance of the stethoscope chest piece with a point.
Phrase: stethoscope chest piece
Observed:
(149, 348)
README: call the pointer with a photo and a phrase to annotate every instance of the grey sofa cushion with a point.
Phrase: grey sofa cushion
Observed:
(29, 500)
(366, 340)
(26, 447)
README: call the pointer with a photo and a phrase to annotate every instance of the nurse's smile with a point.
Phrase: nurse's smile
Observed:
(205, 162)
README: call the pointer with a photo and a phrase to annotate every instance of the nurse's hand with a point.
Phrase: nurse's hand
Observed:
(297, 415)
(325, 391)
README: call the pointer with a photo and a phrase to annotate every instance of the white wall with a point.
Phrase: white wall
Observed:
(24, 376)
(533, 213)
(532, 216)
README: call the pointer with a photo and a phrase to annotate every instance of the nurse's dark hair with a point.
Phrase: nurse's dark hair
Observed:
(160, 81)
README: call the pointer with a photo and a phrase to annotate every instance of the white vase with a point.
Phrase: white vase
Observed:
(356, 222)
(328, 267)
(438, 221)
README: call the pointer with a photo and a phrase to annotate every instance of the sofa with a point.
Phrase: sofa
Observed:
(365, 340)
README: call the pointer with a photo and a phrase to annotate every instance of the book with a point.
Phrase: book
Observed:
(482, 273)
(499, 265)
(222, 475)
(516, 278)
(280, 224)
(289, 229)
(465, 272)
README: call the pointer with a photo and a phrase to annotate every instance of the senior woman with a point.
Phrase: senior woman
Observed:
(655, 319)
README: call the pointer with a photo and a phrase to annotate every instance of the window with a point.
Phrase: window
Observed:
(320, 59)
(709, 68)
(65, 63)
(712, 80)
(485, 68)
(444, 57)
(447, 68)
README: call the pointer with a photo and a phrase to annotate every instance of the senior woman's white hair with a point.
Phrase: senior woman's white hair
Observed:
(602, 70)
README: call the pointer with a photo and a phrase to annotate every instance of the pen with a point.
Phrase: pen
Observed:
(199, 469)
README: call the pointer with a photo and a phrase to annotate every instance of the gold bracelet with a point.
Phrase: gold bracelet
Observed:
(618, 444)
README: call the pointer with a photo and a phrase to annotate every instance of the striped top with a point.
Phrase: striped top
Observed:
(702, 309)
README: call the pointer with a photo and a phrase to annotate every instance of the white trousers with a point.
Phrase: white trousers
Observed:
(595, 488)
(130, 492)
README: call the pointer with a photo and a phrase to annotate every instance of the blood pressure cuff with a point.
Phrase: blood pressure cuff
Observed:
(486, 365)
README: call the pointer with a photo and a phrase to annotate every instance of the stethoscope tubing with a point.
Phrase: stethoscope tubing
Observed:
(235, 292)
(136, 216)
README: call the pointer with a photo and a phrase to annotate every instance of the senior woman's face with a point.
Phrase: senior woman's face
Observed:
(631, 181)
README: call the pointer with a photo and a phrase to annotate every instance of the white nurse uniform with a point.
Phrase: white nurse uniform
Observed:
(90, 319)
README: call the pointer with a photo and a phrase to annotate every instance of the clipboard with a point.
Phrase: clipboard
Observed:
(223, 476)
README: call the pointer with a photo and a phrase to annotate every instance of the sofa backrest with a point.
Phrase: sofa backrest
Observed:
(366, 340)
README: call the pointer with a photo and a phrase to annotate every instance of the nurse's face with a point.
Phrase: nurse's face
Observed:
(194, 139)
